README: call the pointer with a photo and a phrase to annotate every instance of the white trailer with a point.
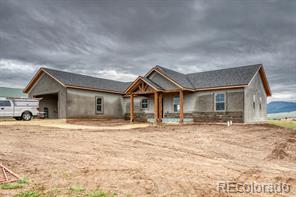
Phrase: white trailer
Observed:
(19, 108)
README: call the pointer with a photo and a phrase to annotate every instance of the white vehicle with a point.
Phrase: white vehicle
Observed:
(19, 108)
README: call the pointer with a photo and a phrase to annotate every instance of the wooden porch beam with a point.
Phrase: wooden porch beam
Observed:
(160, 107)
(181, 106)
(156, 113)
(132, 108)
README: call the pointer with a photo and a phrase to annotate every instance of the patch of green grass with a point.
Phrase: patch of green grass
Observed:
(100, 193)
(15, 185)
(76, 189)
(27, 194)
(284, 123)
(11, 186)
(23, 180)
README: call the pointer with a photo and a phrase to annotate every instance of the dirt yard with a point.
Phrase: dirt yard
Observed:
(185, 160)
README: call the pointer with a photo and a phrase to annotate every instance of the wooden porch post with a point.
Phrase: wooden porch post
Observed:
(132, 108)
(160, 107)
(181, 106)
(156, 117)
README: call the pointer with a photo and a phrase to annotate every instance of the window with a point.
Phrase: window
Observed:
(46, 115)
(260, 99)
(99, 104)
(176, 104)
(254, 101)
(5, 104)
(220, 102)
(144, 104)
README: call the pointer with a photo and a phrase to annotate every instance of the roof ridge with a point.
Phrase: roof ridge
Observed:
(72, 73)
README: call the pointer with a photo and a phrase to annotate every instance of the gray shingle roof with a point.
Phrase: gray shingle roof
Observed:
(209, 79)
(85, 81)
(224, 77)
(216, 78)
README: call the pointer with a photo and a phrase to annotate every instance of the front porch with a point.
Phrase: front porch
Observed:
(156, 105)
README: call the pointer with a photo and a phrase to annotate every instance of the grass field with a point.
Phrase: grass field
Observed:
(291, 114)
(284, 123)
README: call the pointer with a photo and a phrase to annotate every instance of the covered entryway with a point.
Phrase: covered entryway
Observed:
(145, 87)
(49, 104)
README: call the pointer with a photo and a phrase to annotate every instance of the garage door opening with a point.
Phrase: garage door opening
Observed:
(49, 105)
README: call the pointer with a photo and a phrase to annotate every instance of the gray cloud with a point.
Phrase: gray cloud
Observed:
(123, 39)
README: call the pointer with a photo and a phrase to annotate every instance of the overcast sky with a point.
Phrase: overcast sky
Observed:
(123, 39)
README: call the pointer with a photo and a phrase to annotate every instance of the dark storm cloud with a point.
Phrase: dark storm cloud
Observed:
(123, 39)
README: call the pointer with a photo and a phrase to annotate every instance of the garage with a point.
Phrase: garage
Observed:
(52, 94)
(49, 104)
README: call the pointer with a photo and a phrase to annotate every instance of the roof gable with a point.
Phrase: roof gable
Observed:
(177, 78)
(162, 81)
(180, 78)
(142, 83)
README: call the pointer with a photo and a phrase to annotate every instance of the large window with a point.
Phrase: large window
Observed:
(99, 104)
(176, 104)
(144, 103)
(220, 102)
(260, 99)
(254, 101)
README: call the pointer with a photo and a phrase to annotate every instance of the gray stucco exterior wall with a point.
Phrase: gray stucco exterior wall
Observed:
(257, 112)
(47, 85)
(202, 106)
(204, 101)
(197, 105)
(82, 104)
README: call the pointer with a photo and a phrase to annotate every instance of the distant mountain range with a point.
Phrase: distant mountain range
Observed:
(280, 106)
(12, 92)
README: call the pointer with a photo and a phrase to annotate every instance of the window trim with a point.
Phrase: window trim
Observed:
(147, 104)
(102, 104)
(174, 103)
(215, 108)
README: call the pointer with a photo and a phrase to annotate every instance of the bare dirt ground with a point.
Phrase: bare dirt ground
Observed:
(92, 124)
(183, 160)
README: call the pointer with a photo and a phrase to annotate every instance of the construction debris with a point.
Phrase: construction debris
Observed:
(7, 176)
